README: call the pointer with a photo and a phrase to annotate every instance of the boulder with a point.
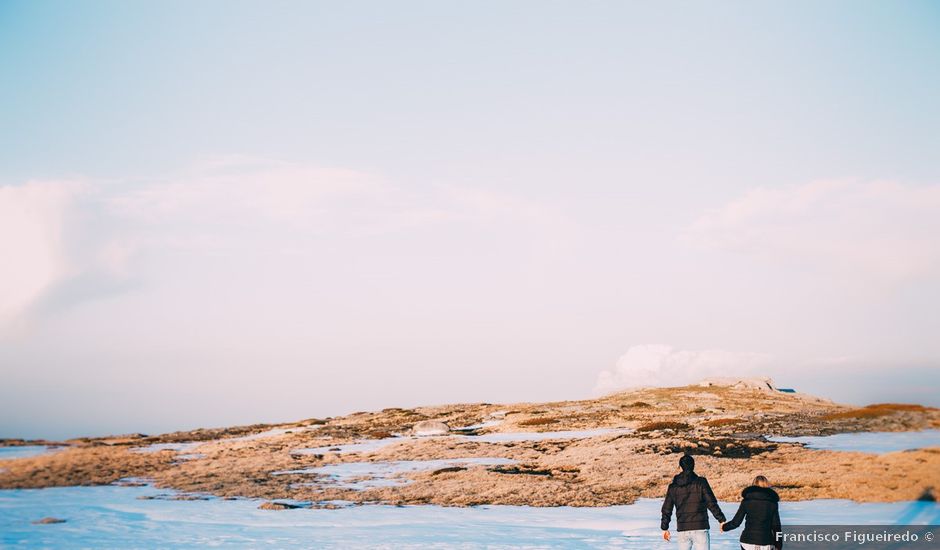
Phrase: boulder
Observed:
(271, 505)
(48, 521)
(741, 383)
(430, 427)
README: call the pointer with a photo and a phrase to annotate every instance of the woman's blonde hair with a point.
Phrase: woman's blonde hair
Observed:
(761, 481)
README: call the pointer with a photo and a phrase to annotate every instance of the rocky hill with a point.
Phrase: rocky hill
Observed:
(597, 452)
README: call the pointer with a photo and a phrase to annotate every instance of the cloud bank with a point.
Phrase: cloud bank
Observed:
(879, 230)
(32, 247)
(662, 366)
(89, 235)
(232, 192)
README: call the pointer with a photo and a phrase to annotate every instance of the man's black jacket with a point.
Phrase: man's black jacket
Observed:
(691, 496)
(759, 511)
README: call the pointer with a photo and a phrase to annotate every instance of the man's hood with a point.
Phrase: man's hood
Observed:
(684, 479)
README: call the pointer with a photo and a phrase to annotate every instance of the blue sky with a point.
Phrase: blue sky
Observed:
(268, 211)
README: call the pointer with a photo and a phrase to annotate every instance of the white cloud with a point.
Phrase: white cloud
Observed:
(32, 251)
(884, 230)
(242, 190)
(237, 191)
(243, 206)
(662, 366)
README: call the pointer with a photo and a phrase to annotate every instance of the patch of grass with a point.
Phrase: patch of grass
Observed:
(541, 421)
(520, 470)
(724, 447)
(639, 405)
(313, 422)
(448, 470)
(657, 426)
(899, 407)
(857, 414)
(876, 411)
(719, 422)
(699, 410)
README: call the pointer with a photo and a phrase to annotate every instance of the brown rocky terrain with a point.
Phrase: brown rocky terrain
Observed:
(648, 430)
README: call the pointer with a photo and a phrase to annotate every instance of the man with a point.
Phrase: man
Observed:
(690, 495)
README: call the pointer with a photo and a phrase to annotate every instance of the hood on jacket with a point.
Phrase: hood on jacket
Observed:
(760, 493)
(683, 479)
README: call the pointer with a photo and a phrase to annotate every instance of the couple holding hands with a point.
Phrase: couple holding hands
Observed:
(692, 498)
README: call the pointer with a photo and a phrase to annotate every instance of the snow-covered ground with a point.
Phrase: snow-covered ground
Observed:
(114, 517)
(364, 446)
(23, 451)
(366, 475)
(869, 442)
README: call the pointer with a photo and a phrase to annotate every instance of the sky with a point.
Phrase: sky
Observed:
(220, 213)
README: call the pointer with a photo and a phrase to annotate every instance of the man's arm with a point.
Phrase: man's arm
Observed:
(711, 502)
(668, 504)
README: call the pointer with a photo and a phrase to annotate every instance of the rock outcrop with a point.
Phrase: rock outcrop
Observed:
(596, 452)
(48, 521)
(740, 383)
(430, 427)
(270, 505)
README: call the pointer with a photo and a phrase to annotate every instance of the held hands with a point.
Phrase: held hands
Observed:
(667, 537)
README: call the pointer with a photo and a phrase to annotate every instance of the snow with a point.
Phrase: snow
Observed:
(366, 475)
(113, 517)
(368, 445)
(868, 442)
(482, 425)
(7, 453)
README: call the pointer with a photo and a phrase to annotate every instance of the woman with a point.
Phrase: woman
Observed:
(761, 517)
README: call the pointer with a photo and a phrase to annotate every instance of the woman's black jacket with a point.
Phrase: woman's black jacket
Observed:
(760, 514)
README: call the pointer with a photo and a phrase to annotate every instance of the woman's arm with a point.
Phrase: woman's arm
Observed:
(736, 520)
(775, 527)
